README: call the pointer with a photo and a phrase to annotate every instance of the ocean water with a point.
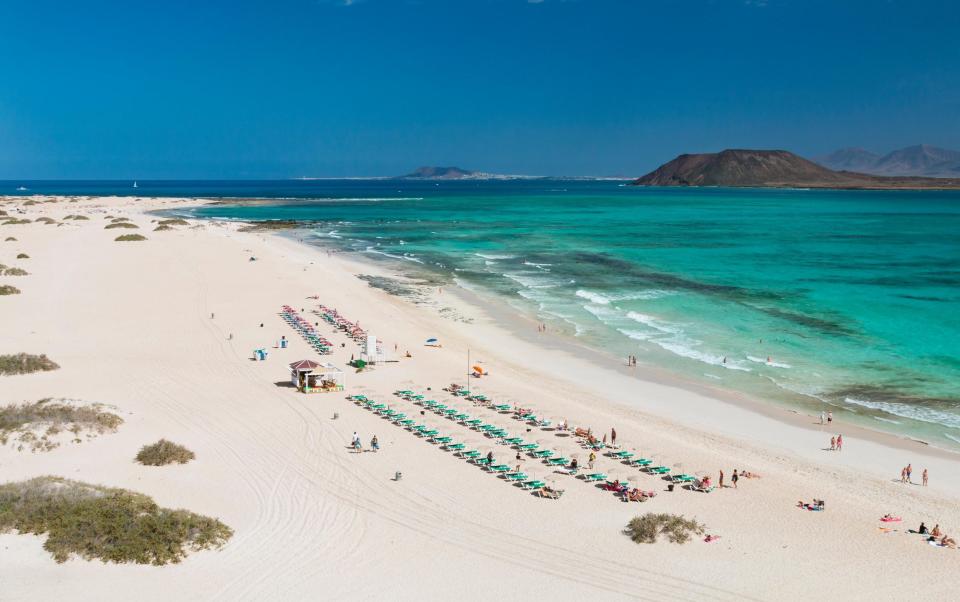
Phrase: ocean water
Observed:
(842, 300)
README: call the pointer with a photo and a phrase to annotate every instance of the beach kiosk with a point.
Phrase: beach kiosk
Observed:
(312, 377)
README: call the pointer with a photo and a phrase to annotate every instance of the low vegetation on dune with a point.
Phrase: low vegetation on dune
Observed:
(8, 271)
(119, 219)
(77, 217)
(162, 228)
(3, 213)
(271, 225)
(45, 220)
(25, 363)
(6, 289)
(42, 425)
(16, 222)
(22, 256)
(31, 202)
(174, 222)
(164, 452)
(105, 523)
(120, 225)
(130, 237)
(650, 526)
(10, 239)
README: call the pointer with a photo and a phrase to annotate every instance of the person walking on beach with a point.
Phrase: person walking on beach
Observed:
(375, 444)
(354, 439)
(735, 478)
(903, 474)
(593, 458)
(924, 477)
(613, 436)
(720, 481)
(829, 417)
(833, 443)
(910, 473)
(839, 442)
(823, 417)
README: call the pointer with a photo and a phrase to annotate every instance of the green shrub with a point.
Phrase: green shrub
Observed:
(162, 228)
(174, 222)
(120, 225)
(22, 256)
(647, 528)
(45, 220)
(164, 452)
(31, 202)
(6, 289)
(16, 222)
(10, 239)
(50, 418)
(119, 219)
(130, 237)
(105, 523)
(5, 271)
(24, 363)
(77, 217)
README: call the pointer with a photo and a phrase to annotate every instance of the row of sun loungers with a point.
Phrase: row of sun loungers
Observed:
(306, 330)
(331, 316)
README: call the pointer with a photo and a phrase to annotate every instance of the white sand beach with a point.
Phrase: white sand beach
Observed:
(130, 326)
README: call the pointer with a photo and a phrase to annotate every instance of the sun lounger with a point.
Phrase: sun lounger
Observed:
(513, 441)
(482, 461)
(442, 439)
(534, 484)
(406, 422)
(558, 461)
(658, 470)
(430, 433)
(515, 476)
(529, 447)
(398, 417)
(470, 454)
(549, 493)
(473, 423)
(683, 478)
(596, 476)
(543, 453)
(461, 417)
(499, 468)
(641, 462)
(454, 446)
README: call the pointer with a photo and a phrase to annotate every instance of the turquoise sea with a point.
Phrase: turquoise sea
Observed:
(854, 296)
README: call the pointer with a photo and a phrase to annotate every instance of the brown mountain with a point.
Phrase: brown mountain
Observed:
(771, 168)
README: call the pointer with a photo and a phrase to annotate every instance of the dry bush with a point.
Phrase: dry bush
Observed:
(174, 222)
(130, 237)
(15, 222)
(24, 363)
(45, 220)
(6, 289)
(22, 256)
(105, 523)
(10, 239)
(647, 528)
(120, 225)
(164, 452)
(37, 425)
(162, 228)
(77, 217)
(5, 271)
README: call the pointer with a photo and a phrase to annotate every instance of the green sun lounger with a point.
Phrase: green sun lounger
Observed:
(534, 485)
(482, 462)
(474, 422)
(406, 422)
(398, 417)
(658, 470)
(430, 433)
(557, 461)
(513, 441)
(497, 433)
(455, 446)
(515, 476)
(641, 462)
(543, 453)
(378, 406)
(499, 468)
(529, 447)
(683, 478)
(470, 454)
(439, 407)
(502, 407)
(450, 412)
(442, 439)
(461, 417)
(488, 427)
(596, 476)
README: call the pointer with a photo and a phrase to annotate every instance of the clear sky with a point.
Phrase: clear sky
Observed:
(287, 88)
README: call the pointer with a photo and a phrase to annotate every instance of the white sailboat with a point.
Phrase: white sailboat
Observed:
(135, 184)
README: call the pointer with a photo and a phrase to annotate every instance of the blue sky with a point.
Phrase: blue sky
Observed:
(257, 89)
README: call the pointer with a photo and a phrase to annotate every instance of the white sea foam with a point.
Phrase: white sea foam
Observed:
(772, 363)
(654, 323)
(494, 256)
(886, 420)
(687, 348)
(635, 334)
(532, 281)
(385, 254)
(608, 298)
(913, 412)
(593, 297)
(951, 437)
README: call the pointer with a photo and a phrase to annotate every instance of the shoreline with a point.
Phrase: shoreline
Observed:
(172, 354)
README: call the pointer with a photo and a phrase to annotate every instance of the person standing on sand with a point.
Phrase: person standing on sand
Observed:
(910, 473)
(839, 442)
(833, 443)
(375, 444)
(822, 417)
(720, 481)
(829, 417)
(735, 478)
(613, 436)
(924, 477)
(903, 474)
(593, 458)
